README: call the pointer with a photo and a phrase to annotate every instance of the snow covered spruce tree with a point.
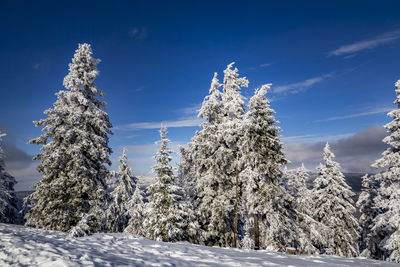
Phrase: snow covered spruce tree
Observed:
(312, 234)
(366, 203)
(217, 163)
(136, 210)
(388, 200)
(198, 165)
(8, 200)
(295, 181)
(167, 218)
(300, 185)
(262, 158)
(268, 209)
(117, 211)
(333, 206)
(71, 196)
(288, 176)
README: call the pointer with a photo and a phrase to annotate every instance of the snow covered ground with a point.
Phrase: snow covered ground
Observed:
(22, 246)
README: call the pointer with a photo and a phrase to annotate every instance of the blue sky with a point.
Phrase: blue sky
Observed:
(332, 64)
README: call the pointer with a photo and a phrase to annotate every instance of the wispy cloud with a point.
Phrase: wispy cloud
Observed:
(140, 157)
(36, 66)
(192, 110)
(297, 87)
(310, 138)
(350, 56)
(187, 118)
(379, 40)
(139, 89)
(138, 33)
(263, 65)
(359, 114)
(137, 151)
(188, 122)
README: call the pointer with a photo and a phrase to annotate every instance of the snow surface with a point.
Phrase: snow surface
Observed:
(23, 246)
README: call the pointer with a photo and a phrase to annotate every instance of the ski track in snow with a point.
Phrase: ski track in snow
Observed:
(23, 246)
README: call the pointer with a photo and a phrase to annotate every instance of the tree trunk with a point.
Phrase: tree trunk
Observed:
(256, 231)
(236, 209)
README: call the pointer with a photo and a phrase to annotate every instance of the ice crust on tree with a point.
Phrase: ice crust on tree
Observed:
(8, 200)
(75, 149)
(334, 207)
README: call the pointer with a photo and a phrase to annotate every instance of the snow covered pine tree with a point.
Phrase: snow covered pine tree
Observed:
(268, 209)
(8, 200)
(198, 166)
(262, 159)
(215, 153)
(387, 223)
(166, 218)
(334, 207)
(366, 203)
(71, 196)
(137, 212)
(125, 186)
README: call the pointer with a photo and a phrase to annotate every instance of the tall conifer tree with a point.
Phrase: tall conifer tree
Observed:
(201, 174)
(366, 203)
(125, 187)
(387, 223)
(262, 158)
(137, 212)
(74, 153)
(334, 207)
(167, 218)
(221, 198)
(8, 200)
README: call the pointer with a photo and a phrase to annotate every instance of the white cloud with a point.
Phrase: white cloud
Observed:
(359, 114)
(366, 44)
(301, 86)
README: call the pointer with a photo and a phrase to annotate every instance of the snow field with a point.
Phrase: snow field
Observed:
(23, 246)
